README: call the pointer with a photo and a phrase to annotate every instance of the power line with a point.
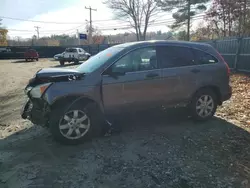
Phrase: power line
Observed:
(37, 21)
(44, 31)
(113, 27)
(152, 23)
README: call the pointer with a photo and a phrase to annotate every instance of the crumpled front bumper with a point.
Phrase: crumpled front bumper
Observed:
(36, 110)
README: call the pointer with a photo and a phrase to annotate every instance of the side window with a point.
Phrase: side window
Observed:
(204, 58)
(175, 56)
(137, 60)
(79, 50)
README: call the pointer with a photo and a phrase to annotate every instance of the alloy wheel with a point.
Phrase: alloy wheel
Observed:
(205, 106)
(74, 124)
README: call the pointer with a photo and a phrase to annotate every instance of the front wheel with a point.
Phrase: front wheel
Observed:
(204, 104)
(61, 63)
(75, 124)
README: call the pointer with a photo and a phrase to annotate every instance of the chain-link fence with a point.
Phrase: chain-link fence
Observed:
(17, 52)
(236, 51)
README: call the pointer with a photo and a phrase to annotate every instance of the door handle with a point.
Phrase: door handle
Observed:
(195, 71)
(152, 75)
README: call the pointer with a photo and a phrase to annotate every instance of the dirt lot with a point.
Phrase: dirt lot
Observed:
(153, 149)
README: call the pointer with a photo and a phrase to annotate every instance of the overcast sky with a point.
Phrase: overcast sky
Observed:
(59, 11)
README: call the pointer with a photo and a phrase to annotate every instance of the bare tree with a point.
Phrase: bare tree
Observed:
(96, 34)
(136, 12)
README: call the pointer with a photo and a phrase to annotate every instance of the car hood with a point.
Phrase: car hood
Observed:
(47, 72)
(55, 75)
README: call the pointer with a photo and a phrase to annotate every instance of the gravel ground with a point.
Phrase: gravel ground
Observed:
(162, 148)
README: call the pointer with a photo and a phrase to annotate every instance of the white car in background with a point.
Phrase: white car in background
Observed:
(74, 55)
(5, 50)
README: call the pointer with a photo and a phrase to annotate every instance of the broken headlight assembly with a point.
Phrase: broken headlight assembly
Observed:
(37, 91)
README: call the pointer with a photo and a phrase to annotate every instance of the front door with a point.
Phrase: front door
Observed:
(137, 84)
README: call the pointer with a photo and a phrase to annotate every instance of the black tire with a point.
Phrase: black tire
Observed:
(76, 61)
(195, 104)
(37, 59)
(26, 60)
(61, 63)
(92, 112)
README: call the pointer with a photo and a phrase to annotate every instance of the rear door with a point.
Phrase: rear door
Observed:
(177, 64)
(208, 70)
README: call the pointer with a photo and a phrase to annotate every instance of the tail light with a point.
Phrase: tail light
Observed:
(221, 57)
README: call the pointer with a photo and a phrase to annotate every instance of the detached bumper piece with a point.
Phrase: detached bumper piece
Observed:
(35, 110)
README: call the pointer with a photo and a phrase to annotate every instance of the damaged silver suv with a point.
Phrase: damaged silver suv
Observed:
(74, 103)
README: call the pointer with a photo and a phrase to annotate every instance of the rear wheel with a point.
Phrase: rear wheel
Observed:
(62, 63)
(204, 104)
(37, 59)
(76, 61)
(75, 124)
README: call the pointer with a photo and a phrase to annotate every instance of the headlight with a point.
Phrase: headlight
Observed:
(37, 91)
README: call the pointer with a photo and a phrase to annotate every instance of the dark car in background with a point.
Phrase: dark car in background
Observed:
(31, 55)
(74, 103)
(58, 56)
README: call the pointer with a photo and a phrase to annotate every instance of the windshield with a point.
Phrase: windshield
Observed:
(98, 60)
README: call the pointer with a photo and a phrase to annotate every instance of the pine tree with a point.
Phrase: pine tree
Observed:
(186, 9)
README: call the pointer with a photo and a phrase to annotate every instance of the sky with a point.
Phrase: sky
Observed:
(70, 11)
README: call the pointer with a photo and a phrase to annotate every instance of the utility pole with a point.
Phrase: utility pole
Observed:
(78, 36)
(90, 23)
(188, 21)
(37, 30)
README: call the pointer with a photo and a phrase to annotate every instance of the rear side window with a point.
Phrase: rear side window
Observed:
(175, 56)
(71, 50)
(202, 58)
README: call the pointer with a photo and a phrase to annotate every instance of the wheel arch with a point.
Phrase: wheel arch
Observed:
(72, 99)
(214, 89)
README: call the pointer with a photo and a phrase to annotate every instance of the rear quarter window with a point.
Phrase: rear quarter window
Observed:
(203, 58)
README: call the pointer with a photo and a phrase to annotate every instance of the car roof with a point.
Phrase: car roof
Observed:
(72, 48)
(163, 42)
